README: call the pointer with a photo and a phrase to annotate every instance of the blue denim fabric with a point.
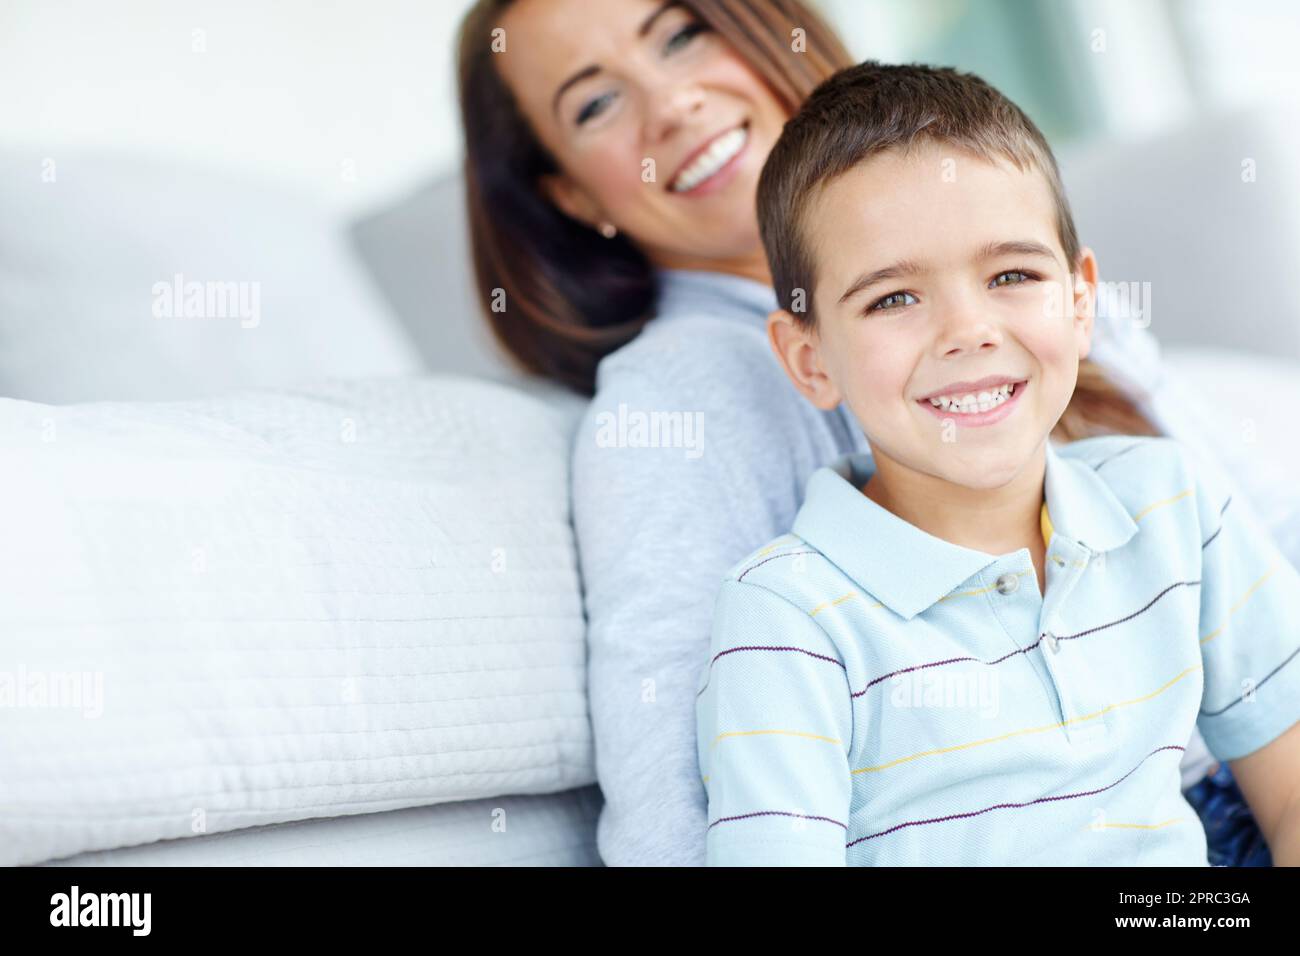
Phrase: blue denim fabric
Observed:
(1230, 830)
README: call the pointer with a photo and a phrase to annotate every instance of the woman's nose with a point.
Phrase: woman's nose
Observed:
(670, 107)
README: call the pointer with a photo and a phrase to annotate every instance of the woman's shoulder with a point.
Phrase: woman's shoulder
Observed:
(719, 366)
(701, 404)
(678, 352)
(708, 330)
(712, 372)
(706, 361)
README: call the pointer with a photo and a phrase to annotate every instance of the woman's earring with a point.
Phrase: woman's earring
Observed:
(608, 230)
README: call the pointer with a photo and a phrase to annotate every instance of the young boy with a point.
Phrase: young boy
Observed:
(977, 647)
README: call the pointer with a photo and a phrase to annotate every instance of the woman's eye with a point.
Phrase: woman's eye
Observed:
(894, 300)
(684, 36)
(593, 108)
(675, 42)
(1016, 278)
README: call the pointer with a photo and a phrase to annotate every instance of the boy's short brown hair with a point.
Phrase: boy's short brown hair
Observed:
(867, 109)
(872, 107)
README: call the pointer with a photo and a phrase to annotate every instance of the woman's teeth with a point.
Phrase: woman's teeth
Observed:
(967, 404)
(721, 152)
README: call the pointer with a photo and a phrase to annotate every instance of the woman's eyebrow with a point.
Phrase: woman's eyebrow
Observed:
(593, 69)
(578, 77)
(650, 20)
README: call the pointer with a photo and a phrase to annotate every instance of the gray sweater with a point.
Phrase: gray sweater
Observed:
(695, 450)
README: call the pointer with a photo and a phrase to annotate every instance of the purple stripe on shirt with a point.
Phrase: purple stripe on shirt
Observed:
(1014, 806)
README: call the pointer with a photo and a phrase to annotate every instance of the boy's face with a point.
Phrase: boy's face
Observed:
(976, 285)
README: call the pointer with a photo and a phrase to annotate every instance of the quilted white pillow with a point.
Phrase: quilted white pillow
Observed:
(278, 605)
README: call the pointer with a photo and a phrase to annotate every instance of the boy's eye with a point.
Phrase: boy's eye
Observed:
(894, 300)
(1016, 278)
(684, 36)
(593, 108)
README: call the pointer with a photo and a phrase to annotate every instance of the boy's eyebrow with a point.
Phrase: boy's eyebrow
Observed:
(905, 267)
(1017, 247)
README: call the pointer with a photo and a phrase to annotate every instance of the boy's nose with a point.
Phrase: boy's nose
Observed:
(967, 327)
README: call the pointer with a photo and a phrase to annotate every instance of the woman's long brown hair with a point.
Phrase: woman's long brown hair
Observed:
(559, 296)
(570, 295)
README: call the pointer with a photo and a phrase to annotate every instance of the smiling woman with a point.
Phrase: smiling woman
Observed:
(604, 141)
(616, 124)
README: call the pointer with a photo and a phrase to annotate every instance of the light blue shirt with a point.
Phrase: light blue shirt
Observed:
(875, 695)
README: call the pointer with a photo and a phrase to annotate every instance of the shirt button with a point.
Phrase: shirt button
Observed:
(1050, 640)
(1007, 583)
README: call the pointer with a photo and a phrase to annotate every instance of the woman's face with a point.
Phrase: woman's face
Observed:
(657, 124)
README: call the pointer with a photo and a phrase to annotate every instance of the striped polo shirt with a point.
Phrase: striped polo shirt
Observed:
(875, 695)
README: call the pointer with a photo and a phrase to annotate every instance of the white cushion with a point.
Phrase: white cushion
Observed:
(1205, 219)
(553, 829)
(279, 605)
(89, 242)
(1238, 408)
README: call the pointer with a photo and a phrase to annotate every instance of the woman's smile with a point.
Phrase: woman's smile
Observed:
(713, 164)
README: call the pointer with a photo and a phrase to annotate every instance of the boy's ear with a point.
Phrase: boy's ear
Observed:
(1085, 299)
(797, 352)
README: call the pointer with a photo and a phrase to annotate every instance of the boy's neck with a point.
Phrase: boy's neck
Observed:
(993, 520)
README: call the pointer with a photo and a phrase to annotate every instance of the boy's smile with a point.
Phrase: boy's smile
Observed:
(961, 403)
(948, 320)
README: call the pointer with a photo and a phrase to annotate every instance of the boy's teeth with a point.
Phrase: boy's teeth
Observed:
(967, 404)
(720, 152)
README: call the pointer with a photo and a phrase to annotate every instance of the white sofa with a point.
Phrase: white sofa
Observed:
(275, 592)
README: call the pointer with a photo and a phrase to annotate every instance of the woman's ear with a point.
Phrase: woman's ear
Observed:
(1085, 299)
(570, 198)
(796, 350)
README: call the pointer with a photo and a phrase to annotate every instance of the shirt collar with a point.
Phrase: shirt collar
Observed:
(719, 294)
(909, 569)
